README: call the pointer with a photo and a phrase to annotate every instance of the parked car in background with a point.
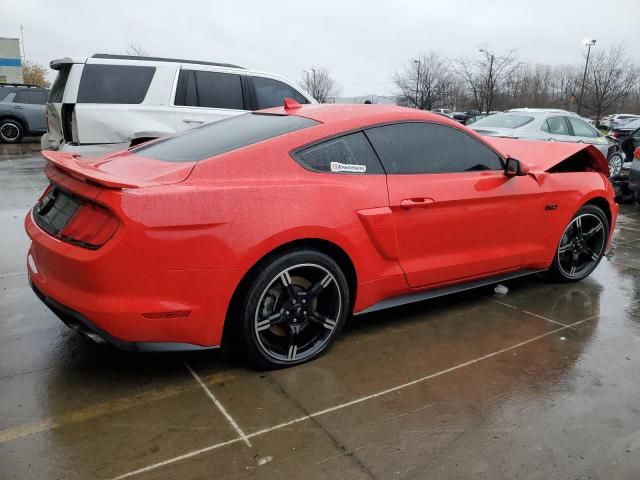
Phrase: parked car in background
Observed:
(634, 172)
(443, 111)
(178, 241)
(551, 125)
(474, 118)
(111, 102)
(619, 119)
(622, 120)
(621, 132)
(22, 111)
(464, 116)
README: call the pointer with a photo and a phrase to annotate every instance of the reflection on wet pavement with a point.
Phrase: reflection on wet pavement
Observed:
(540, 383)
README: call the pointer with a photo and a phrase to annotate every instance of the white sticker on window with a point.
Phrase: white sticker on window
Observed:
(346, 167)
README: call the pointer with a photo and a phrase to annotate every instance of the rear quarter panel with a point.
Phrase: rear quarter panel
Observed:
(237, 207)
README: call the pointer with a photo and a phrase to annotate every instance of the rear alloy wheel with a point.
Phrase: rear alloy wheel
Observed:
(10, 131)
(615, 164)
(582, 245)
(295, 308)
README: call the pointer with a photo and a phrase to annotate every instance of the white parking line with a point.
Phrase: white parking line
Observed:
(343, 405)
(527, 312)
(217, 403)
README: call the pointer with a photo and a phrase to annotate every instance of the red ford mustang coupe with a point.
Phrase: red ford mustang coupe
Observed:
(275, 226)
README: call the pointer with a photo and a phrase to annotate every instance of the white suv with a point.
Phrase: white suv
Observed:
(105, 102)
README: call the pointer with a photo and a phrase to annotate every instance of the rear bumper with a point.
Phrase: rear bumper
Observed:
(120, 296)
(84, 326)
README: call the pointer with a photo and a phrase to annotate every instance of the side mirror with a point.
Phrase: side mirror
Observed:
(515, 169)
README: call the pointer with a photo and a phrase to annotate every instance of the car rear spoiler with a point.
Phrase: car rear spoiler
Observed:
(83, 170)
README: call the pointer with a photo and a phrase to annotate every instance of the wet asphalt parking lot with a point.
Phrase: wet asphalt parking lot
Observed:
(542, 383)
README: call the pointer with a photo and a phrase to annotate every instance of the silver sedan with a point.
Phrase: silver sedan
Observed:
(549, 125)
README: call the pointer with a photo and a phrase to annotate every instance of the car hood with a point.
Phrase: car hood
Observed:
(120, 170)
(541, 156)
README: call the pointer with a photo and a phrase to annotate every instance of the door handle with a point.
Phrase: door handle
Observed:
(18, 107)
(413, 203)
(191, 120)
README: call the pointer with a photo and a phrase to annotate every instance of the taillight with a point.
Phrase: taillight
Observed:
(91, 226)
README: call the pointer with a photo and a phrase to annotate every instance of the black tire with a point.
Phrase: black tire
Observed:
(622, 194)
(11, 131)
(584, 239)
(293, 310)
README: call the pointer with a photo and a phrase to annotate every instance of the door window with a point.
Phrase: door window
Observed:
(198, 88)
(410, 148)
(582, 129)
(271, 93)
(347, 154)
(556, 126)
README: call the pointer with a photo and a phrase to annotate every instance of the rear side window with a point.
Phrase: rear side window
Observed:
(347, 154)
(219, 90)
(222, 136)
(582, 129)
(209, 89)
(4, 93)
(410, 148)
(271, 93)
(120, 84)
(57, 90)
(33, 97)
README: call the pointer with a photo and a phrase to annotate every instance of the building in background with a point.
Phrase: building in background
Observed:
(10, 61)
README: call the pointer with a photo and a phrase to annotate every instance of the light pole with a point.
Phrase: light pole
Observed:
(489, 79)
(312, 84)
(417, 62)
(588, 43)
(24, 55)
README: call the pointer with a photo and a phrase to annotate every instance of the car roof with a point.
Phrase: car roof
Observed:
(542, 110)
(347, 116)
(57, 63)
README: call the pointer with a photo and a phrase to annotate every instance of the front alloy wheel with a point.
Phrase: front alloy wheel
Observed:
(615, 164)
(295, 308)
(582, 245)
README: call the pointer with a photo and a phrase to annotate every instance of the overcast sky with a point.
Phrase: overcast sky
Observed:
(361, 42)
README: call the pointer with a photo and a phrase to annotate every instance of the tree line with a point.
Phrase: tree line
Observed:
(492, 82)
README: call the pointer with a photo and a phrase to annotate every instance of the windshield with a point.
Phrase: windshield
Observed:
(504, 120)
